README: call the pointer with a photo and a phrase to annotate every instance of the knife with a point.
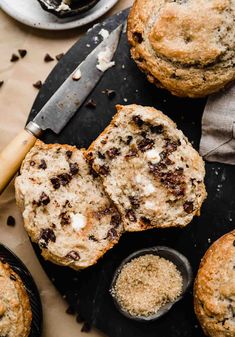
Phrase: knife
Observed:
(58, 110)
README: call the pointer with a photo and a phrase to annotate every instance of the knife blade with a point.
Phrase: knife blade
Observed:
(59, 109)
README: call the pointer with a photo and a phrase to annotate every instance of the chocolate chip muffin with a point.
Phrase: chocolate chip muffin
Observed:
(15, 310)
(149, 169)
(65, 208)
(184, 46)
(214, 289)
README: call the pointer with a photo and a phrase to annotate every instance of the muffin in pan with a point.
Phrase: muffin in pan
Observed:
(214, 289)
(186, 47)
(15, 309)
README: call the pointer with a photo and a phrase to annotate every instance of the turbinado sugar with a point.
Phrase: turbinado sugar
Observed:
(147, 283)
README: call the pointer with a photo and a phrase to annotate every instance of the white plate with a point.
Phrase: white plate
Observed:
(30, 13)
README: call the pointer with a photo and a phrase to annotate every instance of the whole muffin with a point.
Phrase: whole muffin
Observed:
(184, 46)
(15, 310)
(214, 289)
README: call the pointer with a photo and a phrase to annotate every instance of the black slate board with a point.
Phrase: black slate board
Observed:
(87, 291)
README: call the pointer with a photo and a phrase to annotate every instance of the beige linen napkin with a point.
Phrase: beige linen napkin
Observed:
(16, 98)
(218, 128)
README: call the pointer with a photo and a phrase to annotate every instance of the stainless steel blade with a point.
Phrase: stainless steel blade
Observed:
(71, 94)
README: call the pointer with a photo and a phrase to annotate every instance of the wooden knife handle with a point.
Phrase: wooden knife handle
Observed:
(12, 156)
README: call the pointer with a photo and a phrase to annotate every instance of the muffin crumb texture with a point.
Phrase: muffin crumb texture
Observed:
(147, 283)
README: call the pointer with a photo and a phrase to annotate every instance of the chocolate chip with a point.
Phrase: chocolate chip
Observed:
(59, 56)
(112, 234)
(137, 36)
(145, 220)
(44, 199)
(171, 146)
(129, 139)
(157, 129)
(46, 235)
(32, 163)
(37, 84)
(137, 120)
(42, 165)
(1, 83)
(110, 93)
(91, 104)
(65, 219)
(113, 152)
(92, 238)
(115, 220)
(73, 168)
(48, 58)
(12, 277)
(100, 155)
(14, 58)
(134, 202)
(188, 207)
(69, 154)
(145, 144)
(104, 170)
(11, 221)
(22, 52)
(64, 178)
(86, 327)
(73, 255)
(93, 172)
(70, 310)
(131, 215)
(132, 153)
(55, 182)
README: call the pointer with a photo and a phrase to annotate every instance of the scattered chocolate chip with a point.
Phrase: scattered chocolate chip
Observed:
(37, 84)
(112, 234)
(131, 215)
(55, 182)
(14, 58)
(79, 318)
(42, 165)
(32, 163)
(86, 327)
(64, 178)
(93, 172)
(145, 220)
(137, 120)
(113, 152)
(188, 207)
(73, 167)
(1, 83)
(134, 202)
(100, 155)
(12, 277)
(48, 58)
(70, 310)
(171, 146)
(92, 238)
(59, 56)
(115, 220)
(11, 221)
(157, 129)
(145, 144)
(46, 235)
(44, 199)
(73, 255)
(91, 104)
(69, 154)
(132, 153)
(65, 219)
(104, 170)
(110, 93)
(137, 36)
(22, 52)
(67, 204)
(129, 139)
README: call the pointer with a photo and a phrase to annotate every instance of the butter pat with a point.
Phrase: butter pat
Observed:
(78, 221)
(104, 60)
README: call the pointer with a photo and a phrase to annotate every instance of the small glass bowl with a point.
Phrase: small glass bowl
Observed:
(179, 260)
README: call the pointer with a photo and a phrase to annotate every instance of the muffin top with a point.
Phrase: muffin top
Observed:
(15, 311)
(185, 46)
